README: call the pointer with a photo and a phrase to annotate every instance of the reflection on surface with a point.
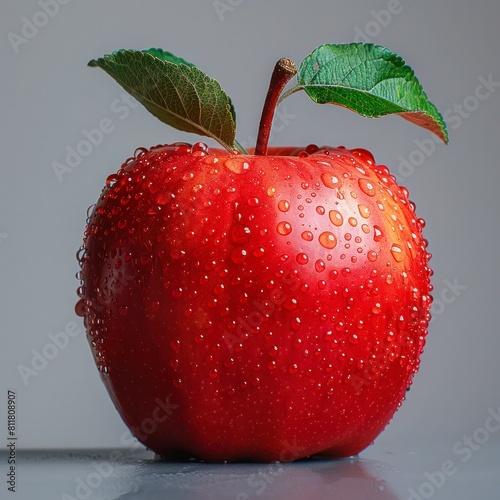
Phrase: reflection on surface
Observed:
(347, 479)
(127, 474)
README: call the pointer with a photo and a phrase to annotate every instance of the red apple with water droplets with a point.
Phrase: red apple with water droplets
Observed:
(265, 306)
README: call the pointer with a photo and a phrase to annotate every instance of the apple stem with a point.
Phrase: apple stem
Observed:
(284, 71)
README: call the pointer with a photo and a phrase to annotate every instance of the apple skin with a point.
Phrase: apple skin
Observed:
(255, 308)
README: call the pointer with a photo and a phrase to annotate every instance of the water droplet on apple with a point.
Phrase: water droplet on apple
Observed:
(259, 252)
(307, 235)
(292, 368)
(364, 155)
(367, 186)
(273, 351)
(240, 234)
(291, 304)
(237, 165)
(364, 211)
(336, 217)
(320, 210)
(320, 266)
(327, 240)
(295, 323)
(112, 181)
(253, 202)
(80, 308)
(284, 228)
(302, 258)
(372, 256)
(397, 252)
(330, 181)
(283, 206)
(353, 221)
(353, 338)
(377, 233)
(199, 147)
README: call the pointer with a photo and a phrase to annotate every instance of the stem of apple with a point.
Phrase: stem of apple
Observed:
(284, 71)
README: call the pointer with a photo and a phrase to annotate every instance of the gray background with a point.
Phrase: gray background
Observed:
(49, 97)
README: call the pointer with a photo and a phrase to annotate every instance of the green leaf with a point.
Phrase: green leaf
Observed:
(370, 80)
(175, 91)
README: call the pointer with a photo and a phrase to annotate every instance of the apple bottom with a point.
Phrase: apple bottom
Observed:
(284, 418)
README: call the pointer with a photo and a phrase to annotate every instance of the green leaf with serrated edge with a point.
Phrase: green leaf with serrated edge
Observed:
(168, 56)
(370, 80)
(175, 91)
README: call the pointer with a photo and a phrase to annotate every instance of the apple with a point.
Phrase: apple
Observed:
(265, 306)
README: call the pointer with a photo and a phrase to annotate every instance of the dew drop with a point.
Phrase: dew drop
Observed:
(345, 271)
(377, 233)
(237, 165)
(367, 187)
(199, 147)
(238, 255)
(292, 368)
(320, 266)
(330, 180)
(112, 180)
(284, 228)
(302, 258)
(372, 256)
(240, 234)
(273, 351)
(80, 308)
(353, 221)
(253, 202)
(307, 235)
(295, 323)
(353, 338)
(336, 217)
(291, 304)
(327, 240)
(364, 211)
(283, 206)
(213, 373)
(320, 210)
(397, 252)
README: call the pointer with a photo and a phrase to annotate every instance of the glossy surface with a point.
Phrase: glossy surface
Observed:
(255, 308)
(379, 474)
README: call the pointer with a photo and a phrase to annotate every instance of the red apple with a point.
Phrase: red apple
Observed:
(252, 306)
(277, 303)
